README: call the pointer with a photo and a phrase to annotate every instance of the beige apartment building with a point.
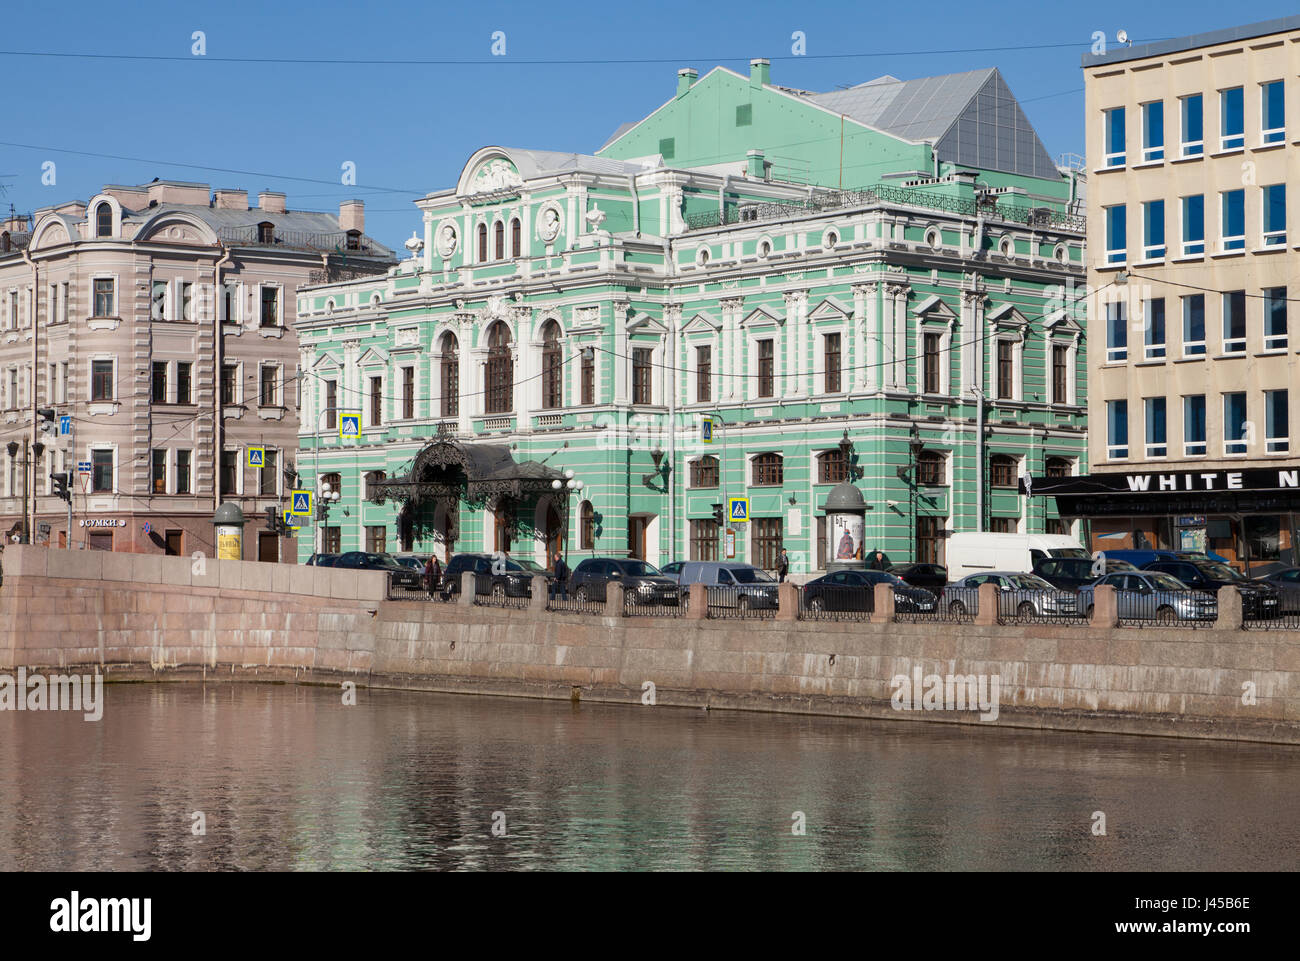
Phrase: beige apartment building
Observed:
(1191, 145)
(147, 346)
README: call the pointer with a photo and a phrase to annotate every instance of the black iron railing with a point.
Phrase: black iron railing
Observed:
(1041, 607)
(836, 603)
(957, 605)
(1166, 609)
(573, 604)
(740, 602)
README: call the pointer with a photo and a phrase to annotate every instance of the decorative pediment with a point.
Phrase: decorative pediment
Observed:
(326, 360)
(645, 324)
(934, 307)
(761, 317)
(176, 227)
(498, 173)
(1059, 321)
(828, 309)
(702, 323)
(1006, 315)
(373, 357)
(50, 233)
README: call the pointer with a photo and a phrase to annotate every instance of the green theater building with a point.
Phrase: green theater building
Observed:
(747, 296)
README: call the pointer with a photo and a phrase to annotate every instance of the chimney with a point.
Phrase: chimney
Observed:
(352, 215)
(271, 201)
(232, 199)
(686, 79)
(760, 72)
(757, 165)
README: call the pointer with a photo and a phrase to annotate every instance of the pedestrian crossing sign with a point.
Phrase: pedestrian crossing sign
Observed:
(299, 504)
(738, 509)
(706, 430)
(349, 426)
(256, 456)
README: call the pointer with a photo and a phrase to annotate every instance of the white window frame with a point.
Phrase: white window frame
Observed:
(1155, 152)
(1113, 449)
(1276, 445)
(1149, 447)
(1154, 351)
(1190, 148)
(1270, 238)
(1265, 138)
(1224, 239)
(1116, 355)
(95, 278)
(277, 388)
(1153, 252)
(1119, 158)
(1224, 137)
(1186, 246)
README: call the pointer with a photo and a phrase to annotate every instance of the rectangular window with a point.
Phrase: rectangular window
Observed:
(266, 385)
(997, 525)
(408, 393)
(101, 471)
(641, 369)
(1006, 371)
(1273, 112)
(1154, 324)
(929, 539)
(1153, 230)
(703, 374)
(183, 378)
(1116, 235)
(183, 472)
(229, 471)
(158, 471)
(332, 540)
(158, 388)
(704, 472)
(704, 540)
(101, 380)
(230, 303)
(1060, 386)
(158, 303)
(377, 538)
(1116, 332)
(270, 307)
(1275, 318)
(187, 301)
(229, 382)
(1232, 219)
(267, 480)
(1157, 443)
(766, 369)
(1234, 322)
(931, 351)
(1153, 131)
(331, 404)
(1232, 119)
(451, 386)
(1193, 225)
(1193, 125)
(104, 300)
(766, 549)
(1194, 325)
(1277, 429)
(1275, 215)
(1194, 442)
(63, 302)
(832, 363)
(1116, 429)
(1114, 137)
(63, 382)
(1234, 423)
(376, 401)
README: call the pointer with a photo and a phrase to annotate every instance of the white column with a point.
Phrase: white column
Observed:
(871, 378)
(428, 242)
(471, 401)
(527, 385)
(900, 338)
(622, 355)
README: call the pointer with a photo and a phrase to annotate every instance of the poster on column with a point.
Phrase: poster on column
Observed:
(844, 537)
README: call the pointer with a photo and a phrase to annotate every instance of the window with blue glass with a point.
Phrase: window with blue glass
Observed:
(1232, 119)
(1234, 423)
(1234, 322)
(1194, 325)
(1116, 429)
(1193, 225)
(1275, 215)
(1116, 234)
(1153, 323)
(1275, 337)
(1156, 443)
(1277, 427)
(1194, 440)
(1114, 137)
(1116, 333)
(1233, 219)
(1153, 230)
(1153, 131)
(1273, 107)
(1193, 126)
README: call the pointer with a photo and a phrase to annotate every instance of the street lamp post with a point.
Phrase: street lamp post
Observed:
(570, 485)
(914, 447)
(325, 497)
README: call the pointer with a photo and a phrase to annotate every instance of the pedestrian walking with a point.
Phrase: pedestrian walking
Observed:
(782, 566)
(878, 561)
(561, 586)
(432, 574)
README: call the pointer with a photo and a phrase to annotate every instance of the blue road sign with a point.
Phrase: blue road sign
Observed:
(706, 430)
(300, 503)
(256, 456)
(65, 425)
(349, 426)
(83, 467)
(738, 509)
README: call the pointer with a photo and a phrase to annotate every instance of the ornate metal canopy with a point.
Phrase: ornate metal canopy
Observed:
(473, 473)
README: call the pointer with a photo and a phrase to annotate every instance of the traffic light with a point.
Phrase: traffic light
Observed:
(61, 481)
(46, 425)
(718, 515)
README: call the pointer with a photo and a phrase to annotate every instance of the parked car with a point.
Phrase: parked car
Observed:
(855, 590)
(734, 583)
(323, 560)
(415, 562)
(642, 583)
(1202, 556)
(1019, 594)
(510, 578)
(399, 575)
(672, 568)
(1287, 582)
(1151, 595)
(1071, 573)
(933, 576)
(1258, 598)
(976, 553)
(1139, 558)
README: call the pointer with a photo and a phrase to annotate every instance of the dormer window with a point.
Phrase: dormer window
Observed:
(104, 220)
(354, 240)
(266, 232)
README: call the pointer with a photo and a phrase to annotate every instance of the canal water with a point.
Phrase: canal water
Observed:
(292, 778)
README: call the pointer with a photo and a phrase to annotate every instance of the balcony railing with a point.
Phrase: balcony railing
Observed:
(334, 241)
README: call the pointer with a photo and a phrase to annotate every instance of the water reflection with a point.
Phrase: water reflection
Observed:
(290, 778)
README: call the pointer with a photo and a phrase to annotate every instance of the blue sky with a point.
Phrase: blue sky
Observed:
(410, 128)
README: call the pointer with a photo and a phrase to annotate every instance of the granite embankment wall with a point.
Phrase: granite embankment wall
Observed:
(138, 616)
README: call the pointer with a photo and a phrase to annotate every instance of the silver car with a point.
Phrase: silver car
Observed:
(1019, 595)
(1153, 596)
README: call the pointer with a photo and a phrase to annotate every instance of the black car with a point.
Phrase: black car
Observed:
(496, 575)
(923, 575)
(399, 575)
(642, 583)
(854, 591)
(1259, 599)
(1072, 573)
(1287, 582)
(323, 560)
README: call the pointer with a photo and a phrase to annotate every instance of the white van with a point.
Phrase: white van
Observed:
(973, 553)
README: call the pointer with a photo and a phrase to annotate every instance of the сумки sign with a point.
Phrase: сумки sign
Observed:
(101, 522)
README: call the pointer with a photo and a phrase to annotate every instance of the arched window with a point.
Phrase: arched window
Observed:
(499, 240)
(104, 220)
(372, 478)
(552, 378)
(832, 466)
(335, 481)
(769, 470)
(516, 238)
(266, 232)
(449, 369)
(1057, 467)
(482, 243)
(1002, 470)
(704, 472)
(586, 527)
(500, 370)
(929, 468)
